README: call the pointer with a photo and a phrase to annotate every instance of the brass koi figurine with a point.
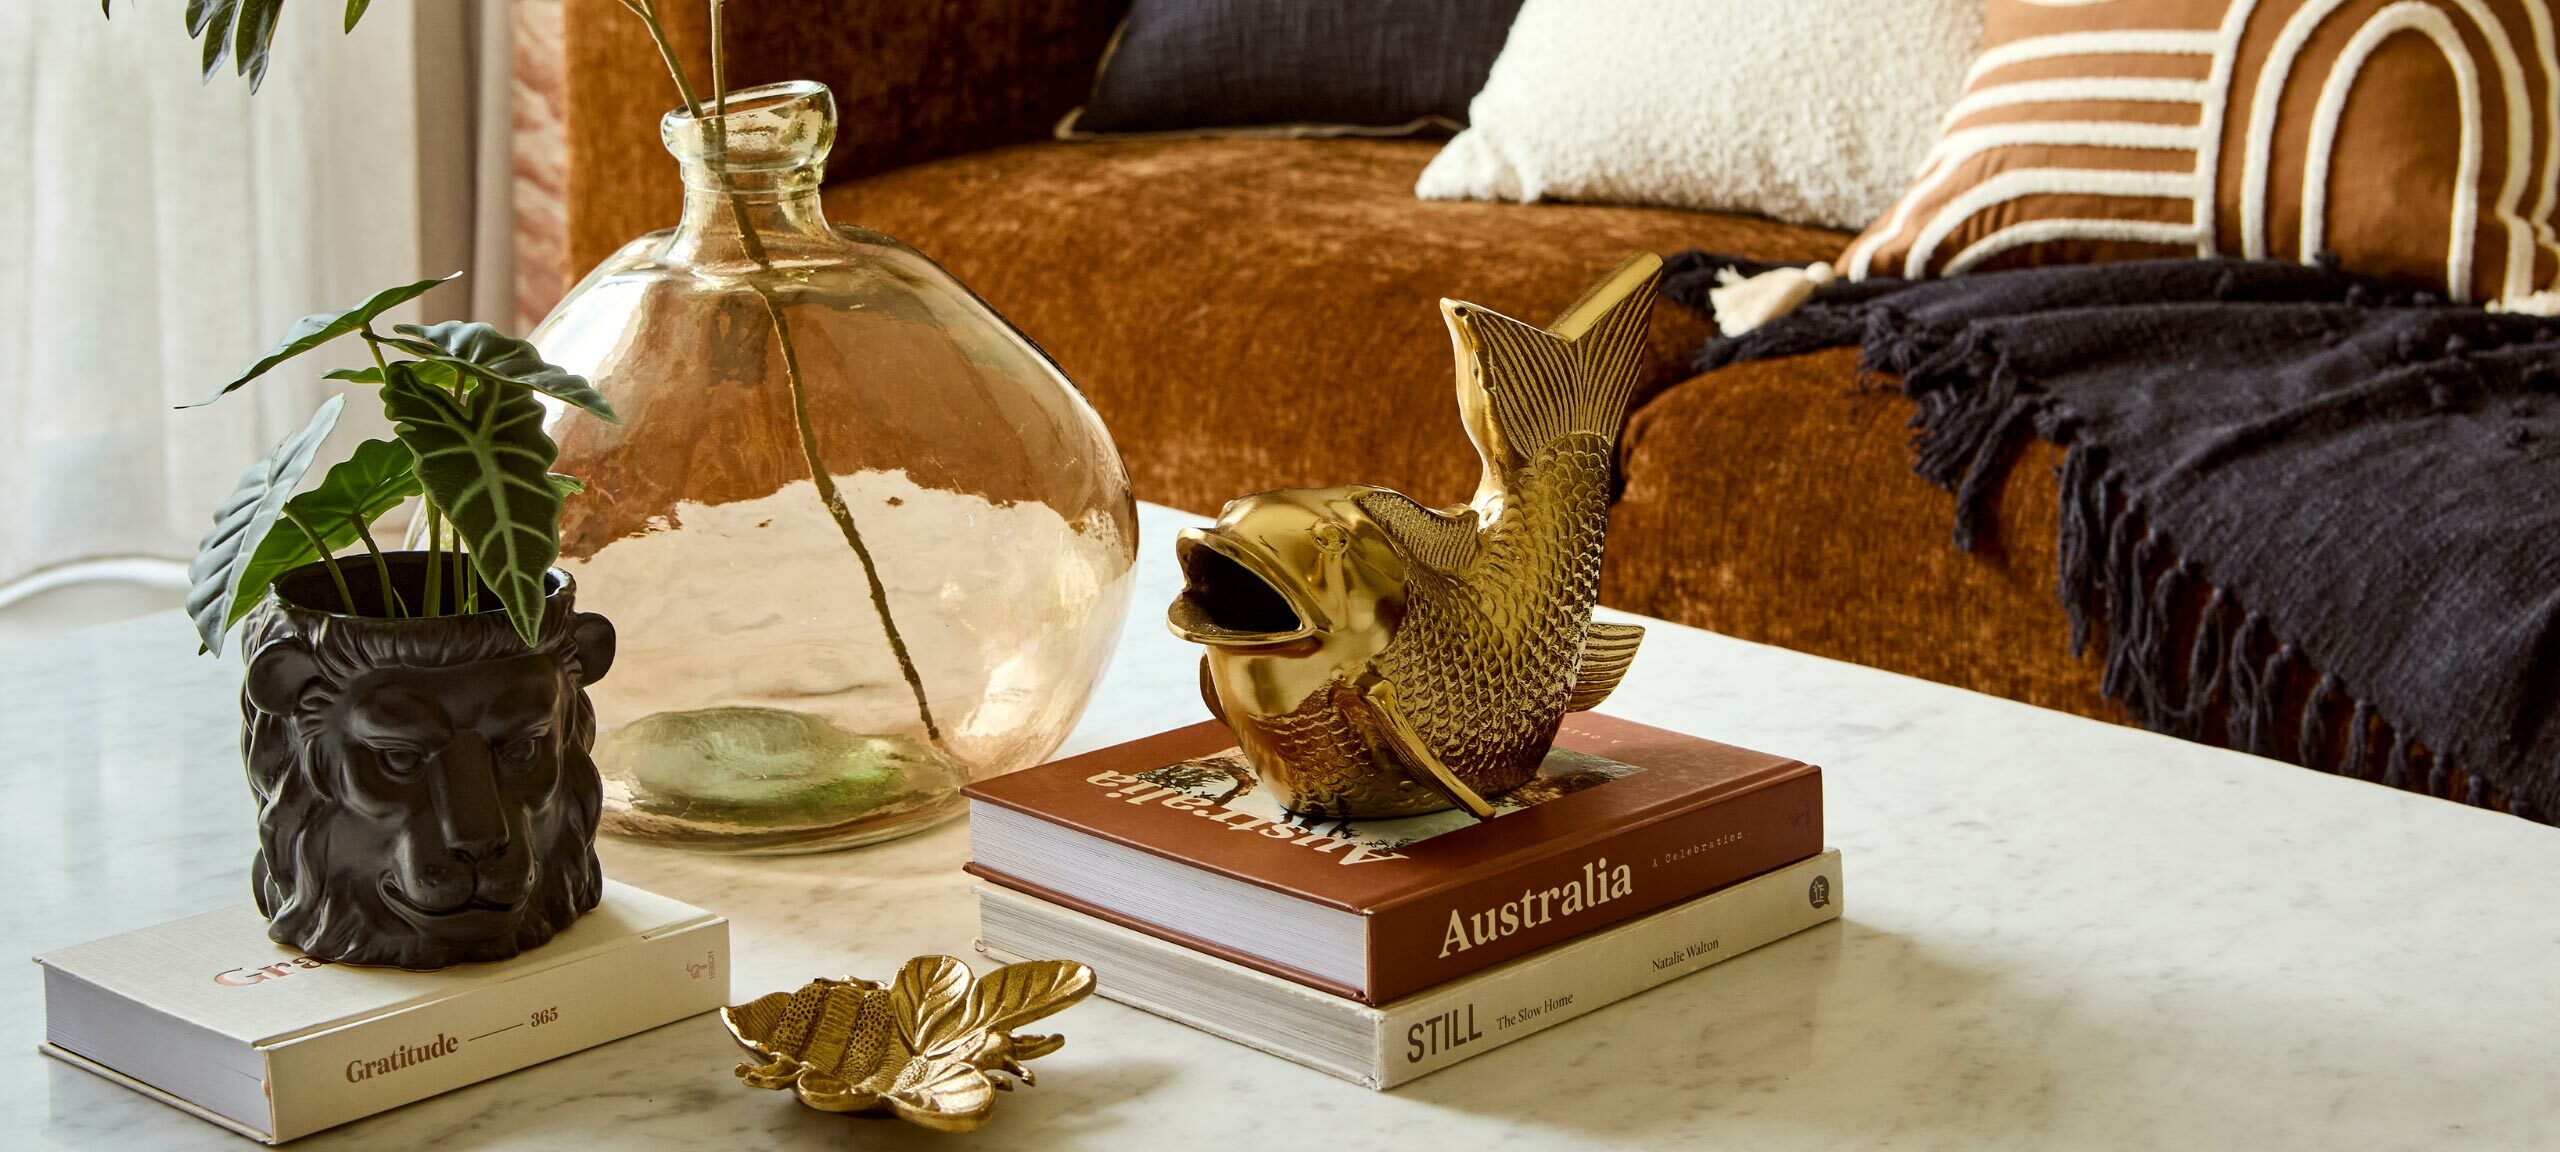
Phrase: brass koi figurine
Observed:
(1376, 657)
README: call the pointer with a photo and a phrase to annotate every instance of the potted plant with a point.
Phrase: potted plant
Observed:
(418, 730)
(418, 727)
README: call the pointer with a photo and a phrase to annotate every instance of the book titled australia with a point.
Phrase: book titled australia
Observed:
(1386, 1045)
(209, 1015)
(1171, 836)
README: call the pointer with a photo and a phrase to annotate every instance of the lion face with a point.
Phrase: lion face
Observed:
(426, 814)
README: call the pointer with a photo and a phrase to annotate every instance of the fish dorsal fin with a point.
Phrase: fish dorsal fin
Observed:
(1606, 652)
(1522, 388)
(1441, 540)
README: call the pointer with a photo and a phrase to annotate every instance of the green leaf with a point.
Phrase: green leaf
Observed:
(484, 461)
(355, 12)
(241, 526)
(567, 485)
(484, 352)
(320, 328)
(358, 490)
(210, 21)
(252, 37)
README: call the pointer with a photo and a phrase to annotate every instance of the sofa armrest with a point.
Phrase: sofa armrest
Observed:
(914, 80)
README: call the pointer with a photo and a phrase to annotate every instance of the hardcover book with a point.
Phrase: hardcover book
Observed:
(1170, 835)
(1383, 1046)
(207, 1014)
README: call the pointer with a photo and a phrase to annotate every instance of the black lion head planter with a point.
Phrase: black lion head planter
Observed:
(425, 793)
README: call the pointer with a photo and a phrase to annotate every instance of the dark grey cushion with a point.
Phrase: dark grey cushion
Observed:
(1375, 64)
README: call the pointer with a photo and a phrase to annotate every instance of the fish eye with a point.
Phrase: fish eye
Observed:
(1330, 536)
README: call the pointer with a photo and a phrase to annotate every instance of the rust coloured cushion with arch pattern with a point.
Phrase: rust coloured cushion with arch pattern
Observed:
(2411, 138)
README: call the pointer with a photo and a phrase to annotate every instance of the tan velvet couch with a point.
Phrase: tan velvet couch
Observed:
(1250, 314)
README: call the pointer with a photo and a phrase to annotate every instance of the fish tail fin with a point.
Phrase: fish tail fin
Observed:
(1524, 388)
(1606, 652)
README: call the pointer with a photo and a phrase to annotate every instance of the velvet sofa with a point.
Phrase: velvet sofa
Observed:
(1250, 314)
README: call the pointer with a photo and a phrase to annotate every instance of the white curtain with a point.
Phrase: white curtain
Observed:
(157, 234)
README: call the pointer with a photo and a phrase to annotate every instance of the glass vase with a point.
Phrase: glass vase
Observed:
(866, 541)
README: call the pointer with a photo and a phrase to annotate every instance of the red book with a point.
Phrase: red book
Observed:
(1170, 836)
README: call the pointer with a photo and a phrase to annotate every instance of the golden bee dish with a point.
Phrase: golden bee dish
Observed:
(1377, 657)
(933, 1047)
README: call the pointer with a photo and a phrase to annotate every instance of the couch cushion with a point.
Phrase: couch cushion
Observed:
(1774, 501)
(1251, 314)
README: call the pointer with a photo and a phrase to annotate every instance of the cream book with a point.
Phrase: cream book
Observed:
(1383, 1046)
(207, 1014)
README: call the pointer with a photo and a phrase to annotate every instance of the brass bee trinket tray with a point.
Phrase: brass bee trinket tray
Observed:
(933, 1047)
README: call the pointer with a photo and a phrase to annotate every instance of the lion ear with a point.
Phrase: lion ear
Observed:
(279, 673)
(593, 634)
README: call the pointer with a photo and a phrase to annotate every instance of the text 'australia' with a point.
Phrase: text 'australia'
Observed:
(1599, 885)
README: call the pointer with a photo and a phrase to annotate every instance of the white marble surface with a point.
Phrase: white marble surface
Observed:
(2060, 934)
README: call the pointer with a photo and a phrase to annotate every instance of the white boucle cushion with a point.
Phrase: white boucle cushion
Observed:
(1815, 111)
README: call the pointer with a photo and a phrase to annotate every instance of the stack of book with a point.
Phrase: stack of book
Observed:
(1381, 950)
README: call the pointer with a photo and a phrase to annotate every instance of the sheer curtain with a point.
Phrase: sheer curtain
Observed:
(157, 233)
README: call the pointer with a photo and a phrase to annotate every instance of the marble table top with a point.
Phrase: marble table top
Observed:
(2059, 934)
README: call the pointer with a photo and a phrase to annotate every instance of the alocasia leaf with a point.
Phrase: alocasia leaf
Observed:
(484, 352)
(360, 489)
(484, 461)
(242, 525)
(322, 327)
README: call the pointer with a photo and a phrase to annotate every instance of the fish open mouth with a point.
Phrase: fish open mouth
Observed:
(1227, 597)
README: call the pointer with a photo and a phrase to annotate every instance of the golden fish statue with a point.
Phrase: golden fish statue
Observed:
(1376, 657)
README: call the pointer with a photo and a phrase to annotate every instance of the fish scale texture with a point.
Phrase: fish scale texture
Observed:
(1486, 657)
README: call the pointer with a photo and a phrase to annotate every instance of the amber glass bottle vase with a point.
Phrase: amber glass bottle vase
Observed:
(866, 542)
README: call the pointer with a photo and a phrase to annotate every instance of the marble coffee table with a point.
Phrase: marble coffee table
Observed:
(2060, 934)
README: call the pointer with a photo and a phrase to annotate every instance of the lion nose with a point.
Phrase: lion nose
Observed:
(469, 810)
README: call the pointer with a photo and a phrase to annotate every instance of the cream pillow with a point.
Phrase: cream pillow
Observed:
(1815, 111)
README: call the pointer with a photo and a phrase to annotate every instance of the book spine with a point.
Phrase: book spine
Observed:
(1434, 1030)
(328, 1078)
(1448, 933)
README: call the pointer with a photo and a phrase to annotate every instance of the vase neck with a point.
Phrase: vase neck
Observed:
(762, 161)
(710, 230)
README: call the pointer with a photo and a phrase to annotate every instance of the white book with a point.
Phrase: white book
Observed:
(1384, 1046)
(207, 1014)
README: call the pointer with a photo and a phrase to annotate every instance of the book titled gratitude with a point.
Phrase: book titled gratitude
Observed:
(208, 1015)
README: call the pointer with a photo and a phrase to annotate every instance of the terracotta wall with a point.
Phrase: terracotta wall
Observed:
(541, 161)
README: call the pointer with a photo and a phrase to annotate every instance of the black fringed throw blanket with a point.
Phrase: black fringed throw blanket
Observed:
(2301, 515)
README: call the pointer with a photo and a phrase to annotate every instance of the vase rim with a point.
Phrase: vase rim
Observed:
(760, 98)
(779, 127)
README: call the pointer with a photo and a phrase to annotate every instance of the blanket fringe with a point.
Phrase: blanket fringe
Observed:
(2186, 658)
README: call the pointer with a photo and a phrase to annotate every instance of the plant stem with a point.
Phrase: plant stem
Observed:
(435, 557)
(381, 570)
(346, 599)
(753, 245)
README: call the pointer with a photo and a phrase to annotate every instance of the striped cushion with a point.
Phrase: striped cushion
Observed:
(2412, 138)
